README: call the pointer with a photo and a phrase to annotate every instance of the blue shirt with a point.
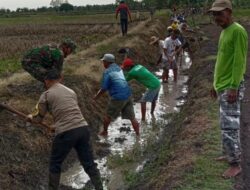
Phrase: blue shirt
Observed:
(115, 82)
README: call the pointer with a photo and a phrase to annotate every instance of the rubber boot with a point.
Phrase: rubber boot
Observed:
(97, 182)
(95, 177)
(54, 180)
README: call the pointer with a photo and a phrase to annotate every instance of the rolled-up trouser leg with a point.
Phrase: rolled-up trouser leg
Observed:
(230, 126)
(231, 144)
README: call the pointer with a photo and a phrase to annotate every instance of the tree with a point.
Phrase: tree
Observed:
(57, 3)
(66, 7)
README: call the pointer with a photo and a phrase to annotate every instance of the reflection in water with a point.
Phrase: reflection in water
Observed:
(171, 98)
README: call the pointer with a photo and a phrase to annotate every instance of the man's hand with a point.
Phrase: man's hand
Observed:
(232, 95)
(213, 93)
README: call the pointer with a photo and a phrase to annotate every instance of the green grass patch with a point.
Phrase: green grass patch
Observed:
(55, 18)
(206, 173)
(239, 13)
(9, 66)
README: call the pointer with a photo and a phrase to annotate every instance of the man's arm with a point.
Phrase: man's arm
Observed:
(40, 110)
(239, 64)
(104, 87)
(99, 93)
(159, 60)
(117, 11)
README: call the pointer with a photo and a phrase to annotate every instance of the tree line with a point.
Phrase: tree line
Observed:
(134, 5)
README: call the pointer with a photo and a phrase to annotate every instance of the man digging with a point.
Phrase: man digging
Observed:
(147, 79)
(38, 61)
(70, 129)
(121, 101)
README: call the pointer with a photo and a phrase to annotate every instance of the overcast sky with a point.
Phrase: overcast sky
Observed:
(13, 4)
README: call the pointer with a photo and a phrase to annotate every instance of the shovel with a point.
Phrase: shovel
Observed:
(24, 116)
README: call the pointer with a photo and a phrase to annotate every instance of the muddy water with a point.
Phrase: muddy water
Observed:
(122, 137)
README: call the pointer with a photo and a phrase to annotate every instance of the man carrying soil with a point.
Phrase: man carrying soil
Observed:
(38, 61)
(228, 81)
(70, 130)
(124, 13)
(121, 102)
(172, 46)
(147, 79)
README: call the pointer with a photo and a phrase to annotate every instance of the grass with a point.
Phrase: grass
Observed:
(206, 173)
(239, 13)
(9, 66)
(55, 18)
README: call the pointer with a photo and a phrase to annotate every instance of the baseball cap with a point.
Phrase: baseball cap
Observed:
(108, 58)
(220, 5)
(153, 40)
(127, 63)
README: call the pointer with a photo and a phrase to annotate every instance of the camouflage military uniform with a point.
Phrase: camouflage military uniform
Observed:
(38, 61)
(230, 125)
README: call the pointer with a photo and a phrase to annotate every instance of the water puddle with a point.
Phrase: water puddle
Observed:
(122, 137)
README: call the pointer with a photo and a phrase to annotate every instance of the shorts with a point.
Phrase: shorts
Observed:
(150, 95)
(123, 107)
(167, 66)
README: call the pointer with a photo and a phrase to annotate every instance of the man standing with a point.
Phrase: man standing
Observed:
(38, 61)
(147, 79)
(228, 81)
(172, 46)
(124, 13)
(121, 102)
(70, 130)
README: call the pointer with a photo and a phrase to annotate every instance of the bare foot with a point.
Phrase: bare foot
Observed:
(104, 133)
(221, 158)
(233, 171)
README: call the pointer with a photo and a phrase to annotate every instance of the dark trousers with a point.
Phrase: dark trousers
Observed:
(124, 26)
(79, 139)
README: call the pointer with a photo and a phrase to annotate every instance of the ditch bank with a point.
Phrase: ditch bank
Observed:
(25, 148)
(25, 155)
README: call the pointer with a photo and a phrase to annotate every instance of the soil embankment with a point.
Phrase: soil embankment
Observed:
(25, 149)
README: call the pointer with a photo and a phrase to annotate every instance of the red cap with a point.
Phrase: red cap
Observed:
(127, 63)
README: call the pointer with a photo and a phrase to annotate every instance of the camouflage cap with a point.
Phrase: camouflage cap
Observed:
(69, 43)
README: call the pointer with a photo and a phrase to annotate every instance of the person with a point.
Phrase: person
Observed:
(70, 129)
(186, 38)
(160, 43)
(172, 46)
(228, 81)
(124, 11)
(121, 101)
(147, 79)
(175, 24)
(38, 61)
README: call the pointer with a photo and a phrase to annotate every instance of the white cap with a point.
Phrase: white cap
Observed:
(108, 57)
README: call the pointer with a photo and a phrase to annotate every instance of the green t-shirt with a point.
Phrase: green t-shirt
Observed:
(231, 58)
(143, 76)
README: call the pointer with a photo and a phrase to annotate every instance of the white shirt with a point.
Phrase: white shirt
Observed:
(170, 45)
